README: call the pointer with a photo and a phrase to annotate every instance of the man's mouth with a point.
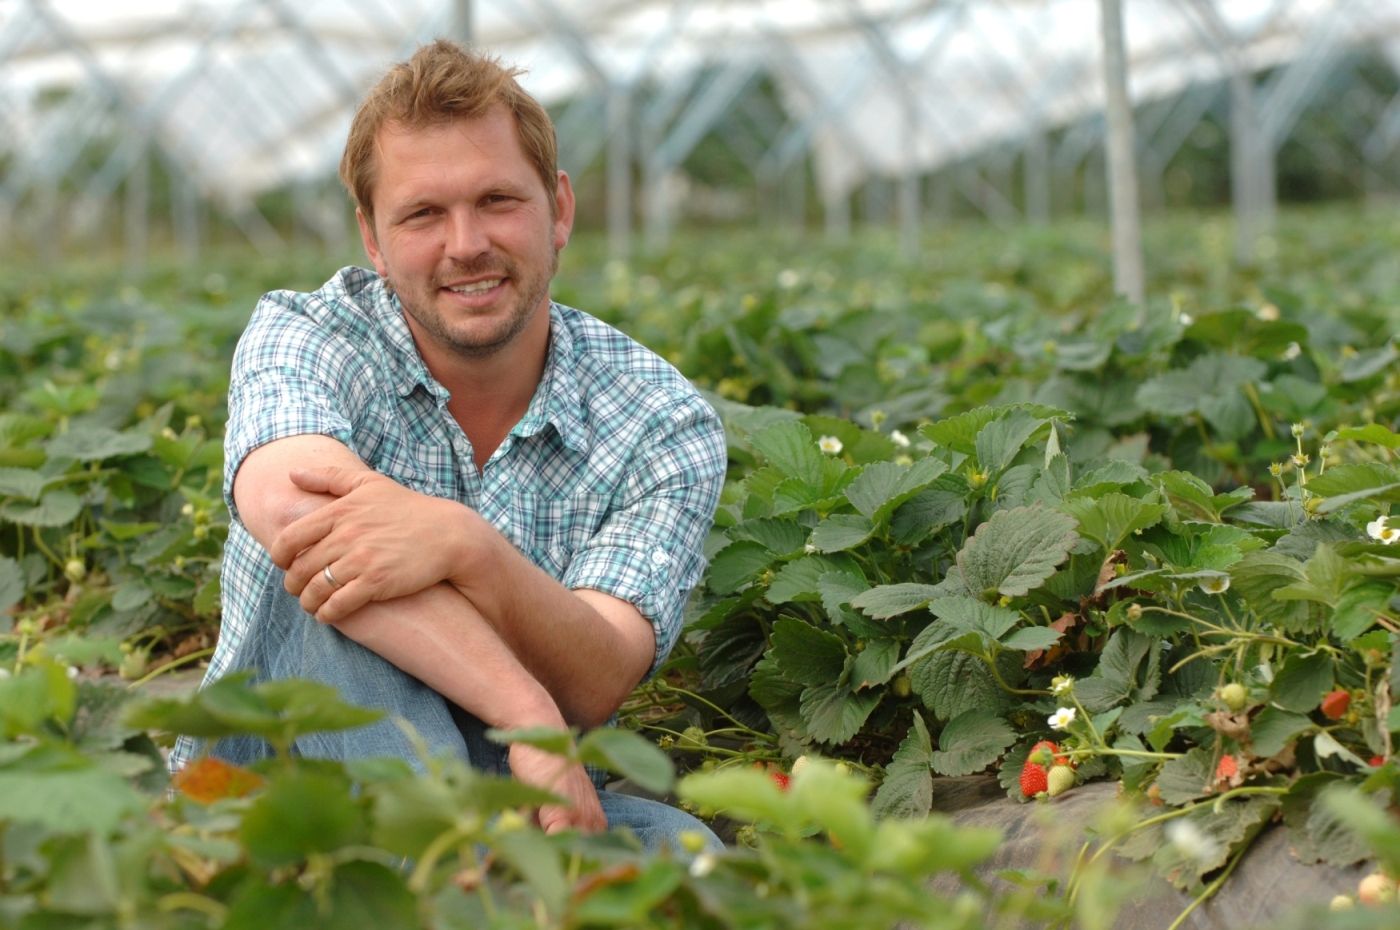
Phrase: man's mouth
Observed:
(476, 287)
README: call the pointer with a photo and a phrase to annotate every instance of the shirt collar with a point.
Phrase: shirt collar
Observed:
(556, 401)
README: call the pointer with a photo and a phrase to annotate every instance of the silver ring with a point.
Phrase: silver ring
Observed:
(329, 577)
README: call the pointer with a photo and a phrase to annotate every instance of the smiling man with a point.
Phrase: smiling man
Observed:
(454, 499)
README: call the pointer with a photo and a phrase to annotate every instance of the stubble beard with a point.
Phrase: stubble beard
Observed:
(531, 288)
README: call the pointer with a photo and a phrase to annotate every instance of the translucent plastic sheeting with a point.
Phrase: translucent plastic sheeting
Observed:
(243, 95)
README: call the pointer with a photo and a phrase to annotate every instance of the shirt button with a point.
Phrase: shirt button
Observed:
(659, 558)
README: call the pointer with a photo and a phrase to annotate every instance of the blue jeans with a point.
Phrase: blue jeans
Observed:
(285, 641)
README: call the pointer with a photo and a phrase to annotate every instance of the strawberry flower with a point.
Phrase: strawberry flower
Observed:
(830, 445)
(1379, 528)
(1062, 718)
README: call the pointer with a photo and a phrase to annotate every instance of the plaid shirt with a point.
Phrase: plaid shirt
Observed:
(609, 481)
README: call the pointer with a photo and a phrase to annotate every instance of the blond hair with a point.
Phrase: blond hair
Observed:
(442, 83)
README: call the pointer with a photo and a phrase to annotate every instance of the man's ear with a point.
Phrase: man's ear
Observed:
(563, 211)
(371, 243)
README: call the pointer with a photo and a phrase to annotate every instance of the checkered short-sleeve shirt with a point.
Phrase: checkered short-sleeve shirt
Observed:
(609, 481)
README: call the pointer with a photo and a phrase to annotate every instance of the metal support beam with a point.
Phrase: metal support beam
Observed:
(619, 191)
(1036, 178)
(1129, 276)
(136, 216)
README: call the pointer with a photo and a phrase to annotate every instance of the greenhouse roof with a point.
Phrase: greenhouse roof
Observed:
(241, 96)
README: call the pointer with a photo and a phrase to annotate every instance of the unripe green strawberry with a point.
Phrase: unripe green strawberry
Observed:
(799, 765)
(901, 686)
(75, 569)
(1059, 780)
(1234, 696)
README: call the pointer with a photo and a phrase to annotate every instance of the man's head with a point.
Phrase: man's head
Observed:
(461, 206)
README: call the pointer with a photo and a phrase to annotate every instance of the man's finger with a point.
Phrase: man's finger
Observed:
(330, 479)
(302, 535)
(344, 601)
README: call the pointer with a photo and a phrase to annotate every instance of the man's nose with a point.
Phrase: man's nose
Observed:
(466, 234)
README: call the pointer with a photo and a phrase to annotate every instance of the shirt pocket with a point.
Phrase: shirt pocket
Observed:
(564, 525)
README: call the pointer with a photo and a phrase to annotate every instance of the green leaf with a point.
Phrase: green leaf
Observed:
(206, 601)
(907, 790)
(1110, 519)
(970, 742)
(891, 600)
(1210, 385)
(12, 582)
(838, 589)
(941, 503)
(21, 482)
(548, 739)
(999, 441)
(300, 814)
(629, 755)
(1302, 682)
(1374, 433)
(73, 800)
(742, 793)
(122, 532)
(805, 654)
(1357, 609)
(959, 433)
(1258, 575)
(56, 508)
(737, 564)
(1315, 832)
(94, 443)
(1186, 778)
(973, 616)
(1016, 550)
(953, 682)
(1227, 827)
(874, 664)
(834, 714)
(781, 537)
(797, 580)
(842, 531)
(1032, 638)
(131, 596)
(1274, 729)
(1368, 363)
(531, 855)
(791, 449)
(729, 650)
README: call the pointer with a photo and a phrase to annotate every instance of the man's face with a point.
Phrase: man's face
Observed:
(463, 231)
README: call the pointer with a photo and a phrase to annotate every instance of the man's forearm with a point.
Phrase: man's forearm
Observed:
(438, 637)
(588, 664)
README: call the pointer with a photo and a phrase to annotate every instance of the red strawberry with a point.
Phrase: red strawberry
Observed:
(1376, 762)
(1228, 768)
(1034, 779)
(1335, 704)
(780, 779)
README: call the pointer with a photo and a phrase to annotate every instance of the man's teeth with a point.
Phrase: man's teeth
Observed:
(480, 287)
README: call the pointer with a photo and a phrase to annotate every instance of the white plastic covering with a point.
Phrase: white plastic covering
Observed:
(244, 95)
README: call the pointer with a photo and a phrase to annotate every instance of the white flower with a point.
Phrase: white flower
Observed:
(830, 445)
(1293, 351)
(1190, 841)
(787, 279)
(809, 548)
(900, 439)
(1063, 685)
(4, 673)
(702, 865)
(1378, 529)
(1062, 718)
(71, 671)
(1268, 313)
(1215, 585)
(1187, 319)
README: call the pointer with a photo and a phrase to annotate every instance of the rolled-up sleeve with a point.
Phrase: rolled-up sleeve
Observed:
(649, 551)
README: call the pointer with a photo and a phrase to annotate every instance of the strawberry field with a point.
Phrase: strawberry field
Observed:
(982, 518)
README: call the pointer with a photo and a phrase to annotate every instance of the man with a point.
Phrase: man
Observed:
(493, 505)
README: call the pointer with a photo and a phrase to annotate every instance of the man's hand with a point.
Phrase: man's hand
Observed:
(566, 779)
(380, 540)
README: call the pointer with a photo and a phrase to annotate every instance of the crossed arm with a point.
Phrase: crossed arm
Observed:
(433, 588)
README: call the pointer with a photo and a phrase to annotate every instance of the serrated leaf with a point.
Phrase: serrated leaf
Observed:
(12, 582)
(959, 433)
(891, 600)
(779, 536)
(1186, 778)
(1300, 684)
(1359, 607)
(21, 482)
(969, 615)
(970, 742)
(1225, 828)
(838, 589)
(797, 580)
(737, 564)
(907, 790)
(1258, 575)
(1274, 729)
(68, 801)
(842, 531)
(833, 714)
(952, 682)
(792, 450)
(881, 487)
(1113, 517)
(1373, 432)
(94, 443)
(805, 654)
(131, 596)
(941, 503)
(1316, 833)
(1211, 385)
(729, 651)
(1016, 550)
(1031, 638)
(874, 664)
(1000, 441)
(1368, 363)
(55, 508)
